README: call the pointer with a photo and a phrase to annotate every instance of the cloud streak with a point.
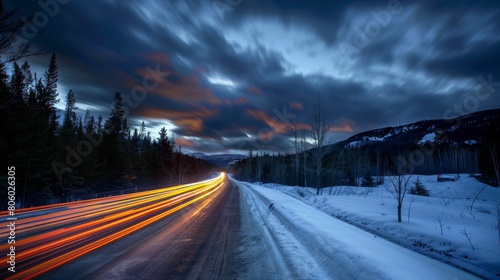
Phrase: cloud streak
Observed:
(229, 72)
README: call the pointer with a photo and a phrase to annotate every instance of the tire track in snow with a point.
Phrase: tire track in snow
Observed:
(290, 259)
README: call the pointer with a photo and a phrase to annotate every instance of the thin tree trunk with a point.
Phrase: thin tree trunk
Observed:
(305, 170)
(297, 163)
(495, 163)
(399, 213)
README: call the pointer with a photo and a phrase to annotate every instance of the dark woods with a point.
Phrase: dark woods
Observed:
(63, 156)
(467, 145)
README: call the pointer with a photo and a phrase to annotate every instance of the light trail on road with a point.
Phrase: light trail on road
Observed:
(49, 236)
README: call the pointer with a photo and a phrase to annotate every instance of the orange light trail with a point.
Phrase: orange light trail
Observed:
(49, 236)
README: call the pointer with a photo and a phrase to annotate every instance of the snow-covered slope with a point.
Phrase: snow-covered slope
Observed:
(434, 226)
(335, 248)
(468, 129)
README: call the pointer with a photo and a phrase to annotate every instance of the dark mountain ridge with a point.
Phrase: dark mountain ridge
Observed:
(438, 146)
(468, 129)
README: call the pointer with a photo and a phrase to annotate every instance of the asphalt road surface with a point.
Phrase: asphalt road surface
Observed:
(182, 232)
(198, 242)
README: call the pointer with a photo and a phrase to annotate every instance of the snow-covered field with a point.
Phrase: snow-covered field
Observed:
(434, 226)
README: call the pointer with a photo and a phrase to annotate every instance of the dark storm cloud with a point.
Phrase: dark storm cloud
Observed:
(481, 60)
(228, 86)
(219, 55)
(321, 17)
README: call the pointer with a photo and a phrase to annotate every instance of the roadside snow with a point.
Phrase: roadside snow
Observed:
(341, 250)
(374, 210)
(269, 250)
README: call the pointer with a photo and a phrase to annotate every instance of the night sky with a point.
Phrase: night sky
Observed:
(220, 74)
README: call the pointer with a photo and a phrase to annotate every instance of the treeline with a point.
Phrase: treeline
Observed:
(366, 165)
(61, 156)
(351, 165)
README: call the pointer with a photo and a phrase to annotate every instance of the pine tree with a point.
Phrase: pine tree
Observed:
(70, 118)
(39, 88)
(100, 127)
(126, 129)
(142, 131)
(5, 93)
(69, 125)
(114, 143)
(3, 75)
(29, 85)
(32, 98)
(419, 189)
(89, 123)
(79, 130)
(367, 180)
(114, 124)
(28, 77)
(47, 98)
(17, 86)
(165, 150)
(52, 127)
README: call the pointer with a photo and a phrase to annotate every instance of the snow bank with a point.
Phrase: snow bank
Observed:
(374, 210)
(345, 251)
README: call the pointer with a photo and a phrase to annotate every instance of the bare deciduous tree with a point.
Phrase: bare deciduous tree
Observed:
(398, 188)
(441, 223)
(304, 147)
(12, 46)
(319, 134)
(467, 235)
(476, 196)
(293, 127)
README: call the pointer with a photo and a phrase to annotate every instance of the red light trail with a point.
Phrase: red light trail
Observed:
(50, 236)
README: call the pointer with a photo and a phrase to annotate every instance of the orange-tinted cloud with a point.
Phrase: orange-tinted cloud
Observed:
(191, 121)
(296, 105)
(160, 79)
(241, 101)
(266, 135)
(255, 90)
(303, 126)
(172, 114)
(342, 128)
(185, 89)
(346, 126)
(192, 124)
(237, 101)
(276, 125)
(184, 142)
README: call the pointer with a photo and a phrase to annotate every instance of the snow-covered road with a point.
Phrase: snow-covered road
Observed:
(268, 249)
(305, 243)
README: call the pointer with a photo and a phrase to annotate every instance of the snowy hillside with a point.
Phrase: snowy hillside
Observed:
(467, 129)
(442, 226)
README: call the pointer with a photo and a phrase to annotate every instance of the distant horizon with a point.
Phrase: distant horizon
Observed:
(245, 152)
